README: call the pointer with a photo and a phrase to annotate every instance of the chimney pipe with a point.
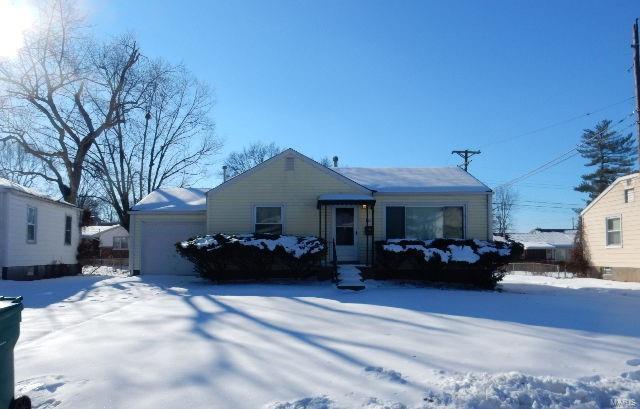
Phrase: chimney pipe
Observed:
(224, 173)
(335, 161)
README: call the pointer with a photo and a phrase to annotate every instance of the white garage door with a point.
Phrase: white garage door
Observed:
(159, 254)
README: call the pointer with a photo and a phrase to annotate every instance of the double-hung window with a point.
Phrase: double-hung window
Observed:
(32, 224)
(67, 230)
(614, 231)
(424, 222)
(268, 220)
(120, 243)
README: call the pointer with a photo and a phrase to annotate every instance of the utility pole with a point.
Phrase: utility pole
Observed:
(466, 155)
(636, 73)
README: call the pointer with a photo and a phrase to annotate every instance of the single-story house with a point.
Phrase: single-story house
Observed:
(113, 240)
(39, 235)
(611, 224)
(546, 244)
(292, 194)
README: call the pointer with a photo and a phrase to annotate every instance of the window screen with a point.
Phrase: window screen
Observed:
(424, 222)
(268, 220)
(32, 223)
(614, 231)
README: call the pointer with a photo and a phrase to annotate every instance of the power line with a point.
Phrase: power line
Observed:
(565, 156)
(555, 124)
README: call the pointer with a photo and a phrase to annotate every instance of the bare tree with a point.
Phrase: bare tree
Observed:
(254, 154)
(62, 92)
(168, 139)
(17, 165)
(505, 199)
(325, 161)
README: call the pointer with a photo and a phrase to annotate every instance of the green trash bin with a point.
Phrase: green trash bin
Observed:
(10, 315)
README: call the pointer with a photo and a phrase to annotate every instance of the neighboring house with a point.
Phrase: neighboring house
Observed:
(611, 225)
(553, 245)
(113, 240)
(292, 194)
(38, 235)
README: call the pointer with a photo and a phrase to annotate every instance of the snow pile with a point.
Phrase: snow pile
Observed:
(315, 402)
(388, 374)
(296, 246)
(108, 271)
(517, 390)
(465, 251)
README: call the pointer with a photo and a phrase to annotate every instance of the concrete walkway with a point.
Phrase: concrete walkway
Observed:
(349, 278)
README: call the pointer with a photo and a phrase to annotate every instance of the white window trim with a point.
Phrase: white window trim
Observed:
(70, 230)
(445, 204)
(626, 197)
(606, 231)
(255, 218)
(35, 226)
(113, 243)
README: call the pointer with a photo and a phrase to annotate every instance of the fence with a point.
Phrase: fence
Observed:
(539, 269)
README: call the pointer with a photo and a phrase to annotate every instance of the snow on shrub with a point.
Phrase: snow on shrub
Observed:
(475, 262)
(256, 256)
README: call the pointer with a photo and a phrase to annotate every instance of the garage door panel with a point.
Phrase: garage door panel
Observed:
(159, 254)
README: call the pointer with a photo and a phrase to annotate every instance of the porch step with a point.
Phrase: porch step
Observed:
(349, 278)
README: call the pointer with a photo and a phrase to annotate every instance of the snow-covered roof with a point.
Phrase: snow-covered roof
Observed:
(415, 180)
(544, 240)
(6, 184)
(93, 231)
(173, 199)
(349, 197)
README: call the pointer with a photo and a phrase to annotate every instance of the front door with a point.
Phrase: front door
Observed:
(346, 233)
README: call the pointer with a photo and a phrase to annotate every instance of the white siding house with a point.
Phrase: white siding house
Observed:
(39, 236)
(113, 240)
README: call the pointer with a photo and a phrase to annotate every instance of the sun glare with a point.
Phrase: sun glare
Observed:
(16, 16)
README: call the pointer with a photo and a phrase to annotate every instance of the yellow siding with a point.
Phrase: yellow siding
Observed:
(135, 230)
(230, 208)
(612, 204)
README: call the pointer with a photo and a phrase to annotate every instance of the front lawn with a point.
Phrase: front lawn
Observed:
(169, 342)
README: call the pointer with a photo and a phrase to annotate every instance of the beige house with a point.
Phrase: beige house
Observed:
(292, 194)
(612, 230)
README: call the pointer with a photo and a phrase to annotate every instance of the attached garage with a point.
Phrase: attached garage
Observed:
(158, 246)
(160, 220)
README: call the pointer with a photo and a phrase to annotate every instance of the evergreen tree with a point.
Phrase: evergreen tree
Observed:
(610, 152)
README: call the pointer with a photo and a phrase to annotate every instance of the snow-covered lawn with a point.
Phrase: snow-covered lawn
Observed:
(170, 342)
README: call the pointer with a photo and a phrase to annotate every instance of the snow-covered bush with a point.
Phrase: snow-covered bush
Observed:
(255, 256)
(476, 262)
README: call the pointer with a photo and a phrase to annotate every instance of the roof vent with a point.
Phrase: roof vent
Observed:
(335, 161)
(289, 163)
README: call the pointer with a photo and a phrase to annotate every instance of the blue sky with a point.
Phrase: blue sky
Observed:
(402, 83)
